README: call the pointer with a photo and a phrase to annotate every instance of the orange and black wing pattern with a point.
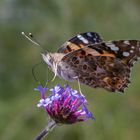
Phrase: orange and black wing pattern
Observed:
(105, 64)
(80, 41)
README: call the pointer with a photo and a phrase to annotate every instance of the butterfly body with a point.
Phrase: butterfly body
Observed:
(94, 62)
(60, 68)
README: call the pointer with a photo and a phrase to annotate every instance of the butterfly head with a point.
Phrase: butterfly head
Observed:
(48, 59)
(52, 59)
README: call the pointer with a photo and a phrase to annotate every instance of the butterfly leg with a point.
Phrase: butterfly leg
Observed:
(55, 71)
(79, 86)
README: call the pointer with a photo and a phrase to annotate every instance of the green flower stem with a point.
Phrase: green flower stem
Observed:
(47, 130)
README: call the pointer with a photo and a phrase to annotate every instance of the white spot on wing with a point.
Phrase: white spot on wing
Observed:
(126, 54)
(133, 47)
(95, 39)
(112, 46)
(89, 34)
(131, 51)
(82, 39)
(126, 42)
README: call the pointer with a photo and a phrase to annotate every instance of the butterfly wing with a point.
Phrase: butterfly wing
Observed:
(106, 64)
(128, 51)
(80, 41)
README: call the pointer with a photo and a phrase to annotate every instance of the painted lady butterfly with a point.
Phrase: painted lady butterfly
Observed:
(94, 62)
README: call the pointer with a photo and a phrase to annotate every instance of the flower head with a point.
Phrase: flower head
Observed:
(64, 105)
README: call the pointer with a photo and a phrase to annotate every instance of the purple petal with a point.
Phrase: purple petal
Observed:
(42, 90)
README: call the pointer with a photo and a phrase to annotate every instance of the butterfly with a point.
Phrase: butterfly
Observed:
(94, 62)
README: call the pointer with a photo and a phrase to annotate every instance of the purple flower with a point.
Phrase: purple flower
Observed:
(64, 105)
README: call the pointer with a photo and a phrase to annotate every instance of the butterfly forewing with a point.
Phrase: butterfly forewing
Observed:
(80, 41)
(126, 50)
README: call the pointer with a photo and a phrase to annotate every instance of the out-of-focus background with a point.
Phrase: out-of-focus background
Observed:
(53, 22)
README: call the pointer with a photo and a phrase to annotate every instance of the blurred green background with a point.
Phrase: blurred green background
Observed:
(53, 22)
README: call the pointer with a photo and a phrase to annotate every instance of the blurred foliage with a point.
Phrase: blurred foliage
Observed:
(53, 22)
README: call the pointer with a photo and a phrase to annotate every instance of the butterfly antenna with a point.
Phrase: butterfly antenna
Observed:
(31, 38)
